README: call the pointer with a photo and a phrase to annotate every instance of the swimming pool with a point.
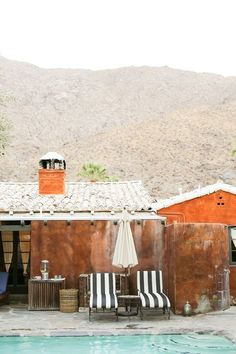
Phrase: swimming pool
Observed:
(145, 344)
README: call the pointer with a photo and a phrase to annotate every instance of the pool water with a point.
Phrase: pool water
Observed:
(144, 344)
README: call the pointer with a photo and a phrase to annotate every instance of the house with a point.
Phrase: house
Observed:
(199, 229)
(73, 225)
(214, 203)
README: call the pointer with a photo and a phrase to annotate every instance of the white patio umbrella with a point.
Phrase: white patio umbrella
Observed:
(125, 255)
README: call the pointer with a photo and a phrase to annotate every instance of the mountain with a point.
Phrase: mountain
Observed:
(173, 129)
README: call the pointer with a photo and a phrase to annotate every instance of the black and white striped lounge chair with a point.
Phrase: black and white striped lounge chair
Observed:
(103, 293)
(150, 290)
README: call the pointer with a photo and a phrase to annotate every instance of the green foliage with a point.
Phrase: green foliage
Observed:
(4, 133)
(95, 172)
(5, 99)
(4, 124)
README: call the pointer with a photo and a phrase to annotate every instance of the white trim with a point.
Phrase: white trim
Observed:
(200, 192)
(79, 216)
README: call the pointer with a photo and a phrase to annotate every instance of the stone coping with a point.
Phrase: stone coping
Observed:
(20, 322)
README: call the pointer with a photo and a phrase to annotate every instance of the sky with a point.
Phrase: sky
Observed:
(196, 35)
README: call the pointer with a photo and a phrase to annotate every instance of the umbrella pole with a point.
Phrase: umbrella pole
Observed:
(127, 273)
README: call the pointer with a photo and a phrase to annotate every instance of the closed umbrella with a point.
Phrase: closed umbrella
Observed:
(125, 253)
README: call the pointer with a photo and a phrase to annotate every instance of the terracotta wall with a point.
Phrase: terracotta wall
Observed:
(196, 264)
(232, 278)
(84, 248)
(218, 207)
(51, 181)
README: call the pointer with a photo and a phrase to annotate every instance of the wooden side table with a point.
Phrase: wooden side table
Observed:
(44, 294)
(129, 301)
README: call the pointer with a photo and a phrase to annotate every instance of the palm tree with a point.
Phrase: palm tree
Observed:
(95, 172)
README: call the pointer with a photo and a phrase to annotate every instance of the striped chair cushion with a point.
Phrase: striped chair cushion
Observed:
(103, 292)
(150, 288)
(153, 300)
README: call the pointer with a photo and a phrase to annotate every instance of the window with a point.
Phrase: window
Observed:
(232, 245)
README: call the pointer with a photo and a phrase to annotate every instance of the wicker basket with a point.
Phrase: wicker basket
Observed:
(68, 300)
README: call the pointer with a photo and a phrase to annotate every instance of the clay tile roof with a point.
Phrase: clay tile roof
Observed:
(181, 198)
(79, 196)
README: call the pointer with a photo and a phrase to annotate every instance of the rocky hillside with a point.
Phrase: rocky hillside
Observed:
(173, 129)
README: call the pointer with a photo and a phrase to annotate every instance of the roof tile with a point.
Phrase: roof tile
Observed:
(79, 196)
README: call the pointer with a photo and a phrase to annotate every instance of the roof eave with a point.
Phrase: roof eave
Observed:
(79, 216)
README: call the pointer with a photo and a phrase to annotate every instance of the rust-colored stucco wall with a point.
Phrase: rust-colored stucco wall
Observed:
(196, 265)
(232, 278)
(51, 181)
(218, 207)
(81, 248)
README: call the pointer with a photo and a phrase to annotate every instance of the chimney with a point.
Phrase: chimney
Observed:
(52, 168)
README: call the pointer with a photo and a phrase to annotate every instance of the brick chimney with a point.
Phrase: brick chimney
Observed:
(52, 168)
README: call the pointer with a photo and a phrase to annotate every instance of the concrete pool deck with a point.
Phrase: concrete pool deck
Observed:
(18, 321)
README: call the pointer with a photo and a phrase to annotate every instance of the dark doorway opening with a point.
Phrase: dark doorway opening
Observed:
(15, 257)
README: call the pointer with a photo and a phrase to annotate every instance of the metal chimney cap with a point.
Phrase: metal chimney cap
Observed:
(52, 156)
